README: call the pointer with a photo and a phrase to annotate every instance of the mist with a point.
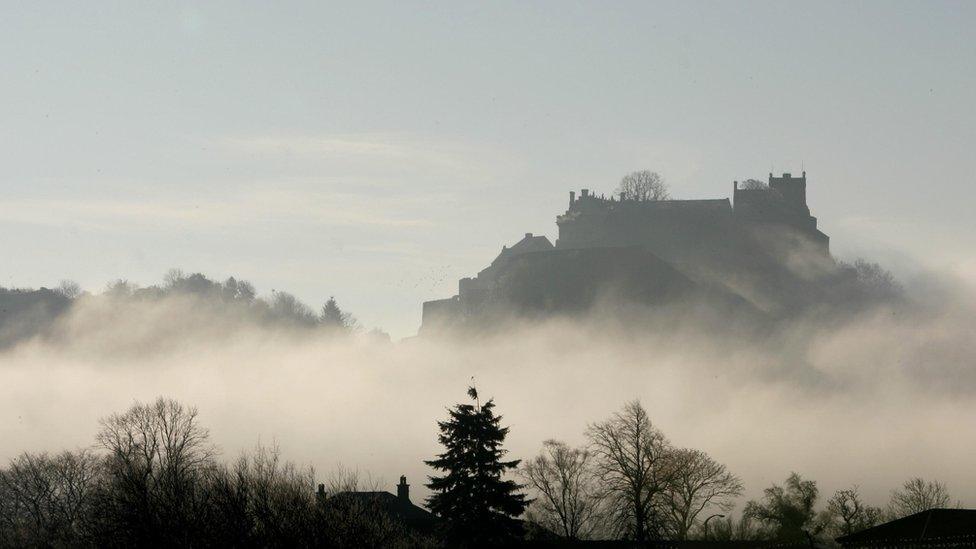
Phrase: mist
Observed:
(871, 397)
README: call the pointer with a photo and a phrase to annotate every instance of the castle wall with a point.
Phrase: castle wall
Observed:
(689, 230)
(676, 230)
(440, 313)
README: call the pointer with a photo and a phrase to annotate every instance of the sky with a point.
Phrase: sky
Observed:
(379, 151)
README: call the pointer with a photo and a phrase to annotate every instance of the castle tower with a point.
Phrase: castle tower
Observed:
(792, 189)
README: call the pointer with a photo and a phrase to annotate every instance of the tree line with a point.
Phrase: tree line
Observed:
(279, 307)
(27, 313)
(154, 478)
(630, 482)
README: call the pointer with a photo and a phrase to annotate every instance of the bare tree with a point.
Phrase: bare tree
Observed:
(158, 459)
(69, 289)
(699, 483)
(343, 479)
(173, 277)
(753, 185)
(918, 495)
(159, 485)
(120, 288)
(644, 186)
(873, 280)
(847, 513)
(632, 462)
(46, 500)
(731, 529)
(563, 479)
(263, 501)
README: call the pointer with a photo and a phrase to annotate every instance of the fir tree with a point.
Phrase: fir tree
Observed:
(335, 318)
(476, 503)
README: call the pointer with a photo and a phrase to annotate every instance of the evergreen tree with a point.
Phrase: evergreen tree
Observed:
(476, 503)
(335, 318)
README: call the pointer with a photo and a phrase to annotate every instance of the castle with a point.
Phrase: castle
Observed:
(676, 242)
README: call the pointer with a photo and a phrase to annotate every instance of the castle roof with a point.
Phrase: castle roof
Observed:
(529, 243)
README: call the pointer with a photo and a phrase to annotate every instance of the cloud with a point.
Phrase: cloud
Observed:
(211, 210)
(392, 153)
(383, 180)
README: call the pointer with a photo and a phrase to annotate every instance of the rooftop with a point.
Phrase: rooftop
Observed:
(932, 526)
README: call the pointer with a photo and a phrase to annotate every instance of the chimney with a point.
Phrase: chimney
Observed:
(572, 197)
(320, 495)
(623, 195)
(403, 489)
(528, 235)
(584, 193)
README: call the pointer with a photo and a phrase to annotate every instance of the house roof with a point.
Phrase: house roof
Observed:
(932, 525)
(402, 508)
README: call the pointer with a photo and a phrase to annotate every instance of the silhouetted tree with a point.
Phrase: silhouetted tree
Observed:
(160, 486)
(246, 291)
(634, 467)
(847, 513)
(731, 529)
(120, 288)
(788, 511)
(197, 284)
(69, 289)
(562, 477)
(46, 501)
(874, 281)
(158, 459)
(262, 501)
(334, 317)
(917, 495)
(287, 307)
(237, 290)
(477, 504)
(173, 277)
(699, 483)
(644, 185)
(753, 185)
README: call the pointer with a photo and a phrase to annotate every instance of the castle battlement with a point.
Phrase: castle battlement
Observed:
(681, 226)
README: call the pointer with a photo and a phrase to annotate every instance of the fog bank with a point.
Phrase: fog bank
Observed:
(871, 399)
